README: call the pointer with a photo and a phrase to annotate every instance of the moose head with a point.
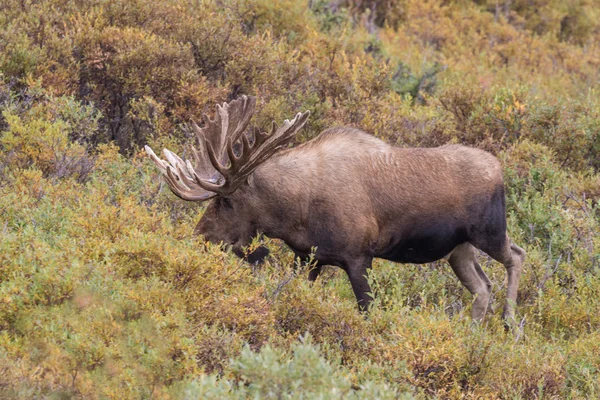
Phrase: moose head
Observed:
(225, 159)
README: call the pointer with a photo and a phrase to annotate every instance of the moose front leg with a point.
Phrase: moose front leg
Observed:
(357, 273)
(314, 271)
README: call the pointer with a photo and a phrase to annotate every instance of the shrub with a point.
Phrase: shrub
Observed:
(42, 135)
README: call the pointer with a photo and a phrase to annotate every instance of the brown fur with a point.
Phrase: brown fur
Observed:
(354, 197)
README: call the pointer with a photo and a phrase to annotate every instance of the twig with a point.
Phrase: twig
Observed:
(520, 330)
(549, 275)
(273, 296)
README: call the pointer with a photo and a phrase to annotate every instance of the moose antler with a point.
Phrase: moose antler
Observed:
(218, 170)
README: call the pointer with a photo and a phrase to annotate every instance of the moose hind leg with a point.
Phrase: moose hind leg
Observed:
(512, 256)
(463, 261)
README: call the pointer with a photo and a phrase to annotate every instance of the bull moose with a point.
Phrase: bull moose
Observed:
(349, 195)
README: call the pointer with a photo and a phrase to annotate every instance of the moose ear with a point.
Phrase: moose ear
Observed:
(250, 180)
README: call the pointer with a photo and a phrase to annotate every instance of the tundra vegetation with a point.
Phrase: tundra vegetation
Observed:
(106, 293)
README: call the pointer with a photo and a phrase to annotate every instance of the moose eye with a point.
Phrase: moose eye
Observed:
(225, 202)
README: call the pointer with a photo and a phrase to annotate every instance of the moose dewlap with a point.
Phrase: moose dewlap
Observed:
(351, 196)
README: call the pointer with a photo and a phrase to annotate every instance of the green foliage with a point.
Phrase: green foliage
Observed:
(305, 375)
(105, 292)
(270, 374)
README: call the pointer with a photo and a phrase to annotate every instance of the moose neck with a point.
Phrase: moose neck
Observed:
(280, 200)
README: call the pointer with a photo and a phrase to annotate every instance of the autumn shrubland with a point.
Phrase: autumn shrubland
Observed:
(106, 293)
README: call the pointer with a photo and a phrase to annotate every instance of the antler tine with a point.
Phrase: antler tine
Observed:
(279, 138)
(180, 183)
(241, 116)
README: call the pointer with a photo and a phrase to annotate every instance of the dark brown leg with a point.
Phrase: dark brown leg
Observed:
(314, 272)
(357, 273)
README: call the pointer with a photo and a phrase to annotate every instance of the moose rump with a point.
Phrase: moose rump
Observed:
(439, 206)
